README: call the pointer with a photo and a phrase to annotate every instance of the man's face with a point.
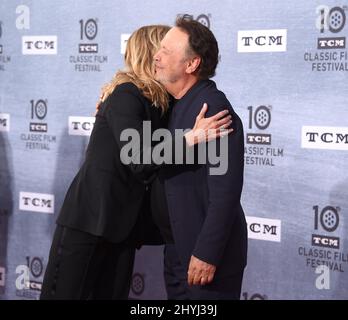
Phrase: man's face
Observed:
(171, 58)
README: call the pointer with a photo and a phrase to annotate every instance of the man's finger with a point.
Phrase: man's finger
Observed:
(204, 280)
(210, 278)
(197, 279)
(190, 278)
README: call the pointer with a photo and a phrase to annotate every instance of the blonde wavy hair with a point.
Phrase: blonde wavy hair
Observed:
(141, 47)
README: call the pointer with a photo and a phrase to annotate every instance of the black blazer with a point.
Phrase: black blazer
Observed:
(107, 198)
(205, 212)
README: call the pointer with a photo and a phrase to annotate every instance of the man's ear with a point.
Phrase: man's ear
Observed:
(193, 64)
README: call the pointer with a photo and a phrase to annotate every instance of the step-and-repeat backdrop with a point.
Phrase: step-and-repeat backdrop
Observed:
(284, 67)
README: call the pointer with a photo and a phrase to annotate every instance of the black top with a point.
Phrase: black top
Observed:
(107, 196)
(205, 212)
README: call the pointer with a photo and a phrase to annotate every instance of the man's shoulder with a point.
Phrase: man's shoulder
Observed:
(215, 98)
(217, 101)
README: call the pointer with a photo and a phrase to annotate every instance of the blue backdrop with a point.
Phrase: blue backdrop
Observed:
(284, 69)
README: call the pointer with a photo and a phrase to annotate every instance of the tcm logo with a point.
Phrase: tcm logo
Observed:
(331, 20)
(81, 126)
(88, 31)
(331, 138)
(88, 48)
(262, 40)
(37, 202)
(332, 43)
(2, 277)
(38, 113)
(264, 229)
(261, 119)
(326, 220)
(4, 122)
(325, 241)
(124, 40)
(39, 45)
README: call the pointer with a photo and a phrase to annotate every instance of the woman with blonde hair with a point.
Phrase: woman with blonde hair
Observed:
(106, 208)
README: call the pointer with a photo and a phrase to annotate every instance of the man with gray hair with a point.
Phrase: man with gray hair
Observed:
(199, 213)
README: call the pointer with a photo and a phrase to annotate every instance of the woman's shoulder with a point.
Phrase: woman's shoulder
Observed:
(128, 94)
(126, 91)
(128, 87)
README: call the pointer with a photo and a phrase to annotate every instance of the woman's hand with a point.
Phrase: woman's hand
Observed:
(207, 129)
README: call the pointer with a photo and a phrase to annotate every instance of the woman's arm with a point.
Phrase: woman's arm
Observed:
(125, 114)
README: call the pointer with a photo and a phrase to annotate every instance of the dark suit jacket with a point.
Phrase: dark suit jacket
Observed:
(205, 211)
(107, 198)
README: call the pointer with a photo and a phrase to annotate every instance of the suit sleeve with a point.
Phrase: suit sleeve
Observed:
(224, 198)
(126, 110)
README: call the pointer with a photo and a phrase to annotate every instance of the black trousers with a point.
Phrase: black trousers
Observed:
(82, 266)
(175, 277)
